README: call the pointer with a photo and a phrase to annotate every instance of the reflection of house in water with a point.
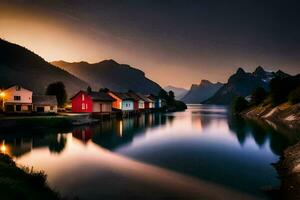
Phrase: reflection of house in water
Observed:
(112, 134)
(83, 133)
(18, 145)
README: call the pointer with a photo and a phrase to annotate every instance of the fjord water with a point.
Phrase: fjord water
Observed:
(201, 152)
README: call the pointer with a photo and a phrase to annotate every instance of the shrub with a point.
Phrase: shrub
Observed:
(294, 96)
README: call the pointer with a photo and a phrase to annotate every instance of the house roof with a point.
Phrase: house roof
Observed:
(44, 99)
(134, 96)
(151, 97)
(14, 85)
(122, 96)
(96, 96)
(143, 97)
(100, 96)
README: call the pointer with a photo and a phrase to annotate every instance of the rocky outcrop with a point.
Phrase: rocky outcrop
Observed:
(285, 115)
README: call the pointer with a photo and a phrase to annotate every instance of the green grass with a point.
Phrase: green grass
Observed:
(17, 183)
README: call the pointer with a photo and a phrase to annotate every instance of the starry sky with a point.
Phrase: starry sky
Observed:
(175, 42)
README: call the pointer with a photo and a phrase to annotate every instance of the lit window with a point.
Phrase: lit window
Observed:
(86, 106)
(83, 106)
(82, 97)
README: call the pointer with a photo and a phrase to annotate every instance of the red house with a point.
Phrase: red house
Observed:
(82, 103)
(96, 102)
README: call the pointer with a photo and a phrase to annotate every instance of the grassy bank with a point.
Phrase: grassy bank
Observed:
(36, 122)
(17, 183)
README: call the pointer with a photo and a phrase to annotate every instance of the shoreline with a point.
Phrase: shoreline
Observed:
(285, 119)
(22, 183)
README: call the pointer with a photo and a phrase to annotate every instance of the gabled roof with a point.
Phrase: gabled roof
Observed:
(151, 97)
(11, 86)
(122, 96)
(143, 97)
(96, 96)
(100, 96)
(44, 99)
(134, 96)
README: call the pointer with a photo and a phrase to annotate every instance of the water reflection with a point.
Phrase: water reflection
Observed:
(204, 142)
(261, 133)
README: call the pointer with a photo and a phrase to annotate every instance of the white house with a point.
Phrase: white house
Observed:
(44, 103)
(17, 99)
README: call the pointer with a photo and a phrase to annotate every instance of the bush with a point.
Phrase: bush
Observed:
(294, 96)
(239, 104)
(258, 95)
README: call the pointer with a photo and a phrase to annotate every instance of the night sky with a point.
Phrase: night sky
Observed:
(175, 42)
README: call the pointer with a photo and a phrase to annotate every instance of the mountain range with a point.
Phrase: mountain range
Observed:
(242, 84)
(201, 92)
(19, 65)
(178, 92)
(112, 75)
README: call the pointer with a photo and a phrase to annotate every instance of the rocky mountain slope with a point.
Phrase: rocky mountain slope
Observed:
(19, 65)
(201, 92)
(178, 92)
(112, 75)
(242, 84)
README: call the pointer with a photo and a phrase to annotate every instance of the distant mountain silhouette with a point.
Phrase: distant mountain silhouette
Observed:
(19, 65)
(112, 75)
(242, 84)
(201, 92)
(178, 92)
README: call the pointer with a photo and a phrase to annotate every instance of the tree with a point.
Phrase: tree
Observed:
(171, 96)
(58, 89)
(163, 94)
(106, 90)
(294, 96)
(89, 89)
(239, 104)
(258, 95)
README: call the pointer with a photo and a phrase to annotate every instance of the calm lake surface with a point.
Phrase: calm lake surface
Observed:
(199, 153)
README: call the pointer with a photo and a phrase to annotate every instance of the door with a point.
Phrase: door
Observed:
(18, 108)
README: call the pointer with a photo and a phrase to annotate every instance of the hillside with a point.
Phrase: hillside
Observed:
(201, 92)
(112, 75)
(178, 92)
(19, 65)
(242, 84)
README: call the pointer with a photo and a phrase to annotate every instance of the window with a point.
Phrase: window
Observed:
(86, 106)
(83, 106)
(51, 107)
(17, 98)
(18, 88)
(82, 97)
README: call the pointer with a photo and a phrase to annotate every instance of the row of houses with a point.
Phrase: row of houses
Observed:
(17, 99)
(107, 101)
